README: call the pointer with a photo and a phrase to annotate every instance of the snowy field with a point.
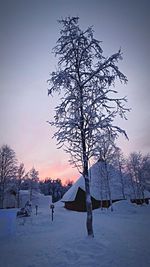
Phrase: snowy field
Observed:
(122, 239)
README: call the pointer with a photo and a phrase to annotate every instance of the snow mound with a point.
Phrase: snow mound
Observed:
(125, 206)
(7, 222)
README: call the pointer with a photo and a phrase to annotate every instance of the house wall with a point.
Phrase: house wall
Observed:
(79, 204)
(9, 201)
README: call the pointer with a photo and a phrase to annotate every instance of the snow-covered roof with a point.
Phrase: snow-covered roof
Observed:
(99, 180)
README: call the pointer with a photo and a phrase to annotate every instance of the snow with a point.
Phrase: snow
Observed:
(7, 222)
(25, 196)
(121, 238)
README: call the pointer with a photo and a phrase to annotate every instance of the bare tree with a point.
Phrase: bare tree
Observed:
(8, 167)
(104, 152)
(145, 177)
(119, 160)
(88, 106)
(139, 168)
(33, 181)
(133, 166)
(19, 179)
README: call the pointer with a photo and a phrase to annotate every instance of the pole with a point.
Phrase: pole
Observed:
(52, 208)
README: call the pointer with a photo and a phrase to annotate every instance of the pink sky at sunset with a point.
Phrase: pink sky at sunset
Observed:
(60, 170)
(29, 30)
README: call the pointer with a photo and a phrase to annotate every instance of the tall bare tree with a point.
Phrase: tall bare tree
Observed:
(88, 104)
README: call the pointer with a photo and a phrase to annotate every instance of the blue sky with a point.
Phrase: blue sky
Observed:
(29, 30)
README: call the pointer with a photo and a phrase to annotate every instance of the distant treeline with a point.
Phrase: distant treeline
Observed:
(54, 188)
(13, 176)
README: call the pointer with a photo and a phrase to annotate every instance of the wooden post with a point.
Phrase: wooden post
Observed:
(52, 208)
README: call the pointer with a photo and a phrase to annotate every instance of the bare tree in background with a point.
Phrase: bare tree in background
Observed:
(105, 152)
(120, 163)
(8, 168)
(138, 167)
(89, 104)
(19, 179)
(145, 177)
(33, 177)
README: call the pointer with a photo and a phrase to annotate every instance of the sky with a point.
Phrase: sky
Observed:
(29, 30)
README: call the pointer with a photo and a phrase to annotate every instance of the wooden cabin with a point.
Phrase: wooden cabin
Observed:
(106, 187)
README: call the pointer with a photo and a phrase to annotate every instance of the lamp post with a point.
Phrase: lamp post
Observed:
(52, 208)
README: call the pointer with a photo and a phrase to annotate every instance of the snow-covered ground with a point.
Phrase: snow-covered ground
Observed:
(122, 238)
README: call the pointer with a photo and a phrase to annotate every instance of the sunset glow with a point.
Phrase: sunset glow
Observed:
(62, 171)
(29, 30)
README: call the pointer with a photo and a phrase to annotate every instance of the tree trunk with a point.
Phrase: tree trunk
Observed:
(108, 186)
(142, 189)
(30, 190)
(89, 221)
(122, 181)
(1, 200)
(18, 199)
(2, 195)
